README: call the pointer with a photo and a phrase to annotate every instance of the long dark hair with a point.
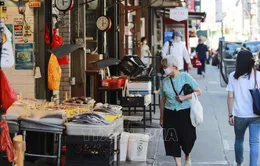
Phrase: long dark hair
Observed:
(244, 64)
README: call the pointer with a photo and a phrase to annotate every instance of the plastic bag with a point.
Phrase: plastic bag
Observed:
(7, 53)
(7, 95)
(195, 62)
(47, 35)
(54, 73)
(6, 144)
(57, 41)
(196, 112)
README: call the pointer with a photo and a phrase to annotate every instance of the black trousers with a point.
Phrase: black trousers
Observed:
(178, 133)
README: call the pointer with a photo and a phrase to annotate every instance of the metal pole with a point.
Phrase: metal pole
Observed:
(222, 28)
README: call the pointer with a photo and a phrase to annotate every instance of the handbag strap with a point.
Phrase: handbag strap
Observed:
(174, 89)
(256, 83)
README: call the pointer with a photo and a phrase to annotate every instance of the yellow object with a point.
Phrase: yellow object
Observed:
(110, 118)
(66, 96)
(54, 73)
(19, 146)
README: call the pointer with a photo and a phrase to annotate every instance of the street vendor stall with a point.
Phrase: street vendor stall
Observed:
(78, 116)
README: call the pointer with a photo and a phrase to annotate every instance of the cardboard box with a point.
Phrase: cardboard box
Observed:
(90, 58)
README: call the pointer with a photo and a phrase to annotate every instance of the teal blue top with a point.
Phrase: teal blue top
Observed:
(169, 94)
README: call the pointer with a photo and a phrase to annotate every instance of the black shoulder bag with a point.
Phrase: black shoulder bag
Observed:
(186, 89)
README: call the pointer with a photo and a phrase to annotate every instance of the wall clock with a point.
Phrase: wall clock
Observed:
(104, 23)
(64, 5)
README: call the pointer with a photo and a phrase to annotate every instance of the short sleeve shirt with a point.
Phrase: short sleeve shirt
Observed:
(169, 94)
(243, 106)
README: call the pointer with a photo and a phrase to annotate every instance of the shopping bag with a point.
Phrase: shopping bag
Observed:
(196, 62)
(7, 94)
(54, 73)
(7, 53)
(196, 113)
(255, 93)
(58, 41)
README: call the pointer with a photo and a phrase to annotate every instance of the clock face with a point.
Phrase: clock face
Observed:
(64, 5)
(103, 23)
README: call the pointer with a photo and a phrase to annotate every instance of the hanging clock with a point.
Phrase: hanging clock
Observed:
(104, 23)
(64, 5)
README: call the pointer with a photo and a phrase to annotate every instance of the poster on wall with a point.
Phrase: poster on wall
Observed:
(28, 36)
(24, 56)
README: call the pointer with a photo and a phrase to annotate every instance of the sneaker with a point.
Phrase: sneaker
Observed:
(235, 164)
(188, 162)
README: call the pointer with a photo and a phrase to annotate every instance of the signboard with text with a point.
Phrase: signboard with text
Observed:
(179, 14)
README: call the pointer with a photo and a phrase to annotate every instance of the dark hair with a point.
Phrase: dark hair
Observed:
(244, 64)
(143, 39)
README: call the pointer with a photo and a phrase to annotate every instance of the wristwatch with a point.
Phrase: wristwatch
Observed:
(230, 116)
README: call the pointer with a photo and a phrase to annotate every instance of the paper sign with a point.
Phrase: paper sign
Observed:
(179, 14)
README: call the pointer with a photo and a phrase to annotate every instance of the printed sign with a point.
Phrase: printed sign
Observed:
(179, 14)
(24, 56)
(219, 14)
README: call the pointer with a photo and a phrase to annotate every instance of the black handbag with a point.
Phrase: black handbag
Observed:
(255, 93)
(186, 89)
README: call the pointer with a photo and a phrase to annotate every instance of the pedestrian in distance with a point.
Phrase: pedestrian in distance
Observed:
(176, 48)
(202, 51)
(240, 107)
(145, 52)
(178, 131)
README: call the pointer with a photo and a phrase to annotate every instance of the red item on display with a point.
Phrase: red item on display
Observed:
(8, 95)
(57, 41)
(6, 144)
(47, 35)
(196, 62)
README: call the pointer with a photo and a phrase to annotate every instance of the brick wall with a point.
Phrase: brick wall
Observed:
(65, 33)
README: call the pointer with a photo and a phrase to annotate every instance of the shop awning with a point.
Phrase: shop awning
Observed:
(192, 15)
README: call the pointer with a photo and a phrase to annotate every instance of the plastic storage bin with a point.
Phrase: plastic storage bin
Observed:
(123, 145)
(90, 151)
(94, 130)
(137, 147)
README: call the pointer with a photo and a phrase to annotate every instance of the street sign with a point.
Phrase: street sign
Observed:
(179, 14)
(219, 14)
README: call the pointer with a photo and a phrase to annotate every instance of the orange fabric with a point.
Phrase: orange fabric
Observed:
(54, 73)
(6, 144)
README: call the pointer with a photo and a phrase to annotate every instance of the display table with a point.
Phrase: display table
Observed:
(144, 110)
(35, 126)
(102, 93)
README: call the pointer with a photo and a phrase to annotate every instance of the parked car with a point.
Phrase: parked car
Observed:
(231, 49)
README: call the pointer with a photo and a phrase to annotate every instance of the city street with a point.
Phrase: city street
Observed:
(215, 141)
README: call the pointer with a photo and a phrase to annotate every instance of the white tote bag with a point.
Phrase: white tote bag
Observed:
(196, 112)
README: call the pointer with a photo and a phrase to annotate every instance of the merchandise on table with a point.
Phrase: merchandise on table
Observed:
(80, 100)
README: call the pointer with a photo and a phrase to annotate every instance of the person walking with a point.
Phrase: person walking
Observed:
(176, 48)
(145, 52)
(179, 132)
(240, 107)
(202, 51)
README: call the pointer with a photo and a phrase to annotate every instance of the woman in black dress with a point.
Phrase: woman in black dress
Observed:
(202, 51)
